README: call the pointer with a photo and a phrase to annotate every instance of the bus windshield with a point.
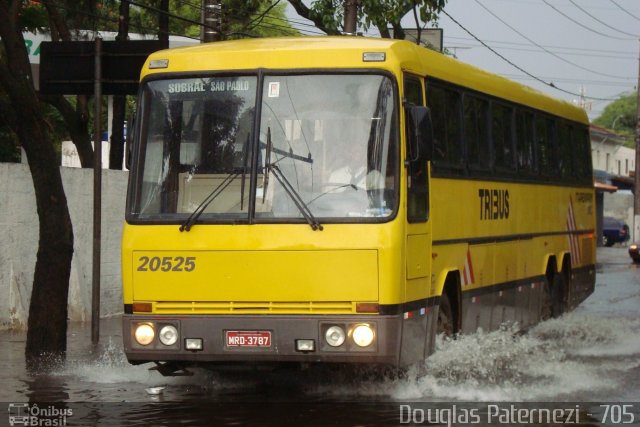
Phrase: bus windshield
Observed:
(325, 143)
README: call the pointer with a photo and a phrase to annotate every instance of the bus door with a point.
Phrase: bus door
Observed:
(416, 324)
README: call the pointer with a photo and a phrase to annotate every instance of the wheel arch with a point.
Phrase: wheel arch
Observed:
(450, 284)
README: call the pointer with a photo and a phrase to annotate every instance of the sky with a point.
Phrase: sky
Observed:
(588, 47)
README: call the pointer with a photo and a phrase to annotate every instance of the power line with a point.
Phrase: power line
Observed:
(170, 15)
(533, 49)
(550, 84)
(145, 31)
(570, 80)
(81, 12)
(194, 6)
(544, 49)
(293, 21)
(601, 21)
(581, 24)
(579, 51)
(625, 10)
(261, 17)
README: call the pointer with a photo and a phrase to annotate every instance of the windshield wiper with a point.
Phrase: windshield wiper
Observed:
(297, 200)
(186, 226)
(288, 188)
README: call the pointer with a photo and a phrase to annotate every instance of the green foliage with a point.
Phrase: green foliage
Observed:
(241, 18)
(57, 128)
(392, 11)
(33, 17)
(269, 20)
(620, 116)
(9, 146)
(376, 13)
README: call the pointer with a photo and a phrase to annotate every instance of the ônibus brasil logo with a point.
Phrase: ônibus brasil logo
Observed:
(26, 414)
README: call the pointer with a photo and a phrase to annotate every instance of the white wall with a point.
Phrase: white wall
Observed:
(621, 159)
(619, 205)
(71, 159)
(19, 243)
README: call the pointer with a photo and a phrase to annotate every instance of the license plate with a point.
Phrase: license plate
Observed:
(248, 338)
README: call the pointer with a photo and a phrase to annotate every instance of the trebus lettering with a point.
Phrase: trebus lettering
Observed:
(494, 204)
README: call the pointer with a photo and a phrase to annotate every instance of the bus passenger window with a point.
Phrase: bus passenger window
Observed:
(418, 190)
(525, 142)
(545, 140)
(582, 147)
(445, 105)
(412, 90)
(565, 132)
(502, 136)
(476, 114)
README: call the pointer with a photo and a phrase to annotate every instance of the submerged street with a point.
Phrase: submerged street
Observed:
(589, 355)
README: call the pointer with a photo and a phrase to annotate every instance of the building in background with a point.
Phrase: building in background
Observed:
(614, 174)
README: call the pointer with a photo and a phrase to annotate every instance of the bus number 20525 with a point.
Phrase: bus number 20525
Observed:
(167, 263)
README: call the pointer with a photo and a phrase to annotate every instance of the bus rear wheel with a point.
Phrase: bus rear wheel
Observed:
(553, 300)
(445, 316)
(557, 295)
(546, 310)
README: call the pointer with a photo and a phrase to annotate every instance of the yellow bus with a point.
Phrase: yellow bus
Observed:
(344, 200)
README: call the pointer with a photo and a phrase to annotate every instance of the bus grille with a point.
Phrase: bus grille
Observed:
(233, 307)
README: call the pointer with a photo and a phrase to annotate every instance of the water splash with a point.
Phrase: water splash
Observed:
(576, 357)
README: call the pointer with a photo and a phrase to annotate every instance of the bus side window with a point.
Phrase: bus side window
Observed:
(546, 146)
(525, 142)
(582, 146)
(502, 136)
(565, 139)
(446, 108)
(476, 132)
(417, 156)
(413, 90)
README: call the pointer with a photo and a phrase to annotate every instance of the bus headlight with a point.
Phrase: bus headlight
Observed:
(168, 335)
(144, 333)
(363, 335)
(335, 336)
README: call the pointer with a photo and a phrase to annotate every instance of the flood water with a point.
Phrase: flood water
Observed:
(591, 355)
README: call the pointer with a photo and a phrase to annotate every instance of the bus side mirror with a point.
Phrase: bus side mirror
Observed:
(131, 125)
(420, 137)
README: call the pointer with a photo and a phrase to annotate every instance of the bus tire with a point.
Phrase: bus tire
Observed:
(557, 295)
(445, 316)
(546, 308)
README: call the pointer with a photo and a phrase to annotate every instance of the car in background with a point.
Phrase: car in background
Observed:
(614, 231)
(634, 252)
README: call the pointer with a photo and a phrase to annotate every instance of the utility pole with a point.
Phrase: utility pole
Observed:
(116, 152)
(97, 194)
(636, 187)
(211, 21)
(163, 23)
(350, 17)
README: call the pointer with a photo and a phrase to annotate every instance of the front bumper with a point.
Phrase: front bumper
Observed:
(284, 330)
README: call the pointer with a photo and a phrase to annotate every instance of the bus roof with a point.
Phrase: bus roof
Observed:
(347, 52)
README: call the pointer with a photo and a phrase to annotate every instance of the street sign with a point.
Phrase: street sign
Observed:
(67, 68)
(431, 38)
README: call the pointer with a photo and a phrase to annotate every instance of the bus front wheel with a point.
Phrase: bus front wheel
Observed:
(445, 316)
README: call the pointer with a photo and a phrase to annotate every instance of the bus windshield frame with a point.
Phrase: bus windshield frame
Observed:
(209, 148)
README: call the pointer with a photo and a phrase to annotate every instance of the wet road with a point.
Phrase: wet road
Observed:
(589, 355)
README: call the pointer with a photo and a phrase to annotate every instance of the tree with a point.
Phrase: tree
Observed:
(240, 18)
(58, 18)
(328, 16)
(47, 324)
(24, 119)
(620, 116)
(9, 144)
